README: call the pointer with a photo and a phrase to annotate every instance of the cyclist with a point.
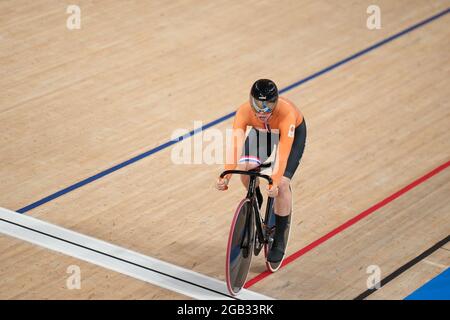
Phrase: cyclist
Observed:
(272, 118)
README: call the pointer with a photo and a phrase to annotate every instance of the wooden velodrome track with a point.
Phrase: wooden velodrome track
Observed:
(76, 103)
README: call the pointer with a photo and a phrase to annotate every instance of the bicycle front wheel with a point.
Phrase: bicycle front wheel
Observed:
(240, 246)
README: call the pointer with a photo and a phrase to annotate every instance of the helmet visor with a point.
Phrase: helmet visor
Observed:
(260, 106)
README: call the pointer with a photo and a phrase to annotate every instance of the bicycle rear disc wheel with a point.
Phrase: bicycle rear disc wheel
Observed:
(240, 246)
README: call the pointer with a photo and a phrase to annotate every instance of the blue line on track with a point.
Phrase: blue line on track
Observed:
(437, 288)
(225, 117)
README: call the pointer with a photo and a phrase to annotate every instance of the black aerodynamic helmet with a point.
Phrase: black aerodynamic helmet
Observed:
(264, 96)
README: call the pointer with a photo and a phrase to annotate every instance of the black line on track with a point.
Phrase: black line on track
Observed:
(404, 268)
(120, 259)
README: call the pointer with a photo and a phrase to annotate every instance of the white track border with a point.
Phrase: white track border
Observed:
(109, 256)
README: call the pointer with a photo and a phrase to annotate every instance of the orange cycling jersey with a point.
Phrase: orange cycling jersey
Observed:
(286, 117)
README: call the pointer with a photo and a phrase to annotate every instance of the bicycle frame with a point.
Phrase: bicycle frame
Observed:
(251, 194)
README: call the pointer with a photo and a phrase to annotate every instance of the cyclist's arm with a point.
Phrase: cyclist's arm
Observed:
(237, 141)
(287, 132)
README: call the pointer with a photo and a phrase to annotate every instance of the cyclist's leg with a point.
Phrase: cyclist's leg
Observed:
(245, 165)
(284, 198)
(282, 208)
(257, 149)
(283, 204)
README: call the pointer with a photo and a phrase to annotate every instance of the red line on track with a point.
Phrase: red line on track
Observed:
(350, 222)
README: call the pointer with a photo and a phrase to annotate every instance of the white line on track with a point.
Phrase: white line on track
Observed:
(435, 264)
(107, 255)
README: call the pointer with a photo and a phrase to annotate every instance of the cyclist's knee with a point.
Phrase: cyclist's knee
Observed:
(247, 166)
(283, 187)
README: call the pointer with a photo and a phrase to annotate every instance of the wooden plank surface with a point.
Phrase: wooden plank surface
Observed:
(75, 103)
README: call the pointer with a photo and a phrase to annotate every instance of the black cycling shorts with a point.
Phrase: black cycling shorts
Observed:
(260, 144)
